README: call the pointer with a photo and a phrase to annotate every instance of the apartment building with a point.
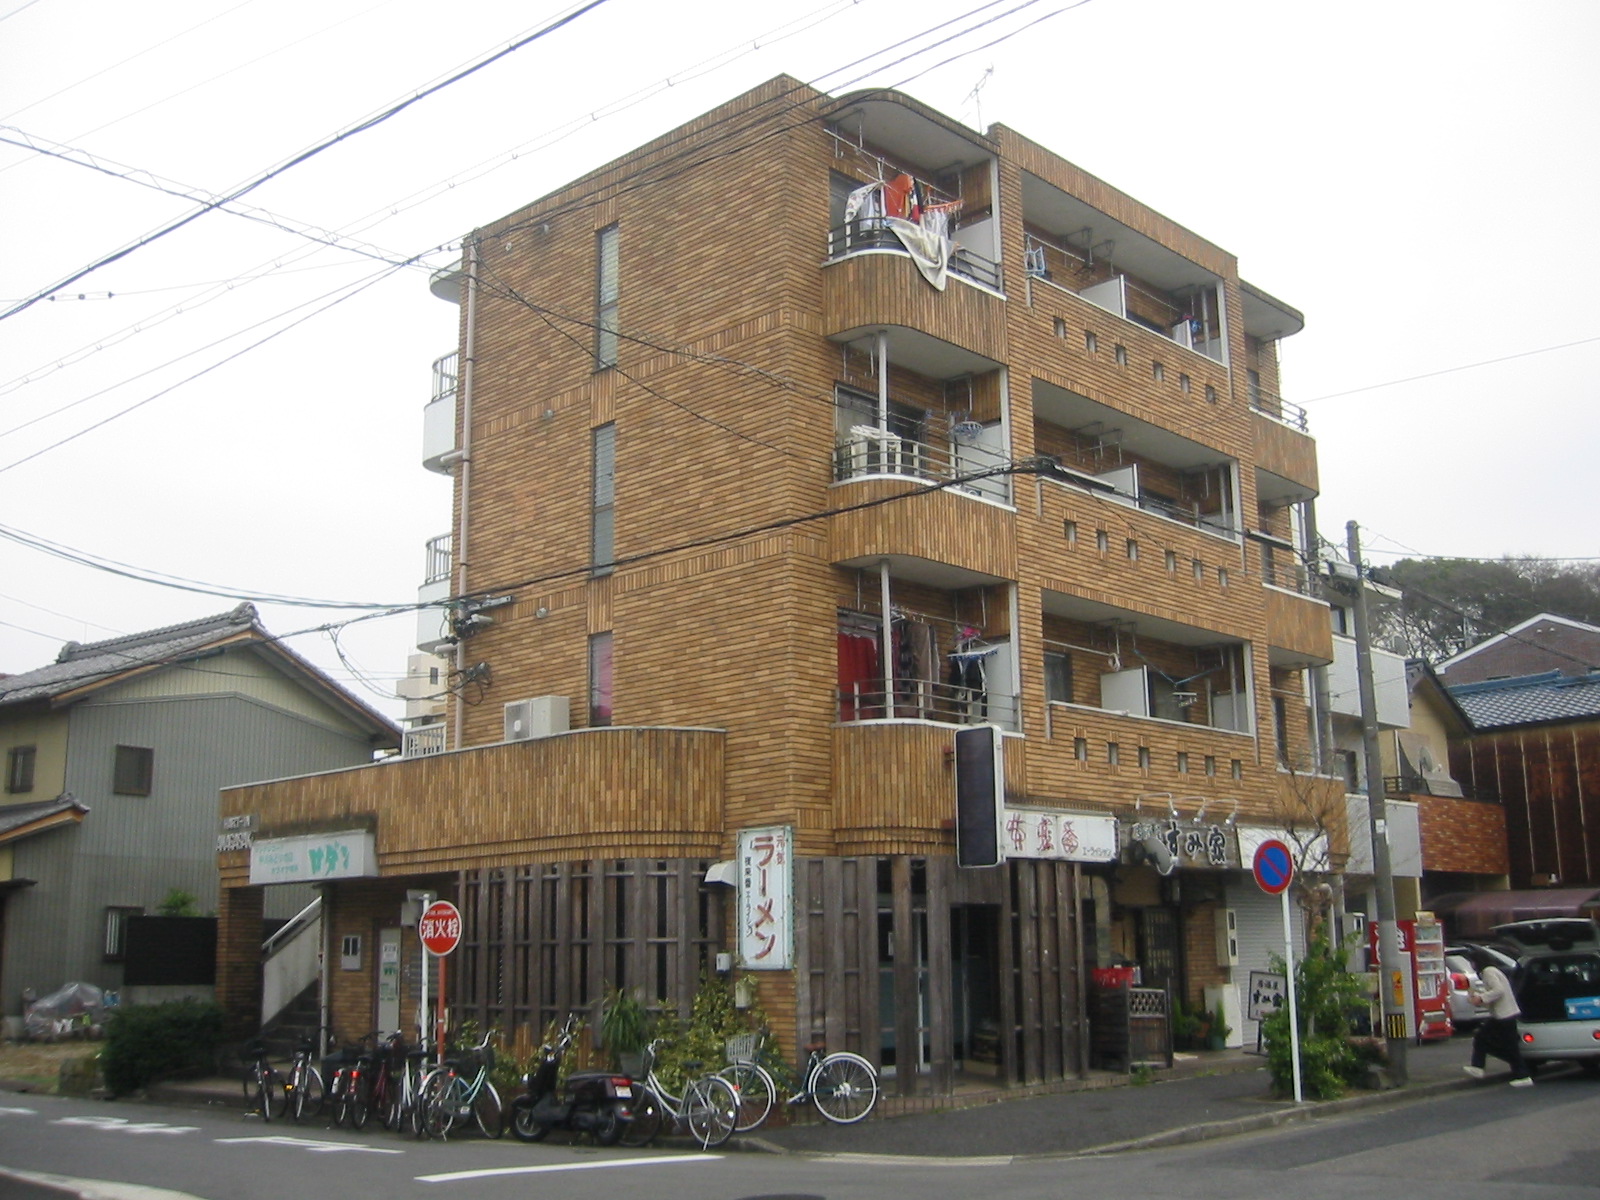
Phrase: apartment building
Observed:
(786, 448)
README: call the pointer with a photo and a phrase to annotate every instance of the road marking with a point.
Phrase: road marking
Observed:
(123, 1125)
(489, 1173)
(311, 1144)
(96, 1189)
(19, 1112)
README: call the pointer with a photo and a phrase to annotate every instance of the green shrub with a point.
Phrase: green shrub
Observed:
(713, 1019)
(1326, 997)
(146, 1043)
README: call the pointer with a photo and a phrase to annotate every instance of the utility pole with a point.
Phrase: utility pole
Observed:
(1390, 968)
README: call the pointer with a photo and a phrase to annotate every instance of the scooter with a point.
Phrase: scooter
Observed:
(598, 1103)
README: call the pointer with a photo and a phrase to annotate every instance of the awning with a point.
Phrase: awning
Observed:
(1475, 914)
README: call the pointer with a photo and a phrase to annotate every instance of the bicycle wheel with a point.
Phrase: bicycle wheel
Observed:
(307, 1093)
(711, 1107)
(360, 1098)
(270, 1100)
(756, 1090)
(443, 1095)
(646, 1123)
(486, 1111)
(844, 1087)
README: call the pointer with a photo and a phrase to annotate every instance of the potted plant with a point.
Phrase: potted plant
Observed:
(1220, 1029)
(1188, 1028)
(625, 1029)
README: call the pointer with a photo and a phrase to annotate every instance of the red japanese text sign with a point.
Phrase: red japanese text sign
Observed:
(440, 927)
(766, 898)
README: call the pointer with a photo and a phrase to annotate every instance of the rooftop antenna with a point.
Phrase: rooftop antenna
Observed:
(977, 102)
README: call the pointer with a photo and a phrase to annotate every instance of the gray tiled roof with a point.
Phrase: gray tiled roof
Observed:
(16, 816)
(1527, 699)
(83, 664)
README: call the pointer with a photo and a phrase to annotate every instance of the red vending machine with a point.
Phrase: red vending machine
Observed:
(1422, 987)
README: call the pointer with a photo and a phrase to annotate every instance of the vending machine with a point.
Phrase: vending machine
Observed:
(1422, 986)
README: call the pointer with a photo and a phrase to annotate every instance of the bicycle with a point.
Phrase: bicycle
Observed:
(843, 1086)
(263, 1085)
(350, 1089)
(401, 1107)
(449, 1096)
(709, 1106)
(303, 1084)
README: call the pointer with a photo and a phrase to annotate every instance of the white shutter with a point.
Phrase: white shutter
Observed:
(1260, 928)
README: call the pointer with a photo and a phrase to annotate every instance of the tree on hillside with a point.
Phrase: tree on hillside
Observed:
(1449, 604)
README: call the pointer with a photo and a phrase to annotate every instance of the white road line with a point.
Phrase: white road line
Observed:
(96, 1189)
(123, 1125)
(19, 1112)
(310, 1144)
(660, 1160)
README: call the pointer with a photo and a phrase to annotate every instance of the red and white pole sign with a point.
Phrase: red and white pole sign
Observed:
(1273, 866)
(439, 927)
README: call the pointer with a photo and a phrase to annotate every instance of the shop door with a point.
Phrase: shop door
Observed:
(1158, 949)
(975, 990)
(388, 979)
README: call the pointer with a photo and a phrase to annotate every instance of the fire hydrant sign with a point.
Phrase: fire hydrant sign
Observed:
(766, 898)
(440, 927)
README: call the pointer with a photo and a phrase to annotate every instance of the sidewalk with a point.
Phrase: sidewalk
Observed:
(1203, 1096)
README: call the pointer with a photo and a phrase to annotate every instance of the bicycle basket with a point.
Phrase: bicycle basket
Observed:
(472, 1059)
(742, 1047)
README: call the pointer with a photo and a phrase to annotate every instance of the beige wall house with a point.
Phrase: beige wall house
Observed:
(785, 448)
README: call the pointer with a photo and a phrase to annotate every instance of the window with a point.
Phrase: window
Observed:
(1090, 342)
(605, 306)
(134, 771)
(1348, 766)
(1211, 394)
(1211, 765)
(1144, 758)
(1198, 567)
(1172, 562)
(1080, 749)
(1061, 328)
(1132, 550)
(1280, 719)
(1113, 753)
(1158, 372)
(1069, 530)
(1236, 768)
(1058, 676)
(116, 942)
(1222, 576)
(1102, 540)
(1121, 353)
(605, 495)
(1183, 383)
(600, 679)
(19, 768)
(1183, 762)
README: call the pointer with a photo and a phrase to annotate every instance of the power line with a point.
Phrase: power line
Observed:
(304, 155)
(1488, 362)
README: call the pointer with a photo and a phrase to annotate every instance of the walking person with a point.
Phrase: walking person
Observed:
(1497, 1033)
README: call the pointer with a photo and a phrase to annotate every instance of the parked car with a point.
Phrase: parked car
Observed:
(1559, 993)
(1463, 977)
(1481, 955)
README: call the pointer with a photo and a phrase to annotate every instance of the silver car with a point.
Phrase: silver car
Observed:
(1463, 977)
(1558, 990)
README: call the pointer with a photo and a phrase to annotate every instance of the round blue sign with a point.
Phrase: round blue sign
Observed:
(1273, 866)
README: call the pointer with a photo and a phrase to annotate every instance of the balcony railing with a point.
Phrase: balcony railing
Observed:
(439, 552)
(1400, 786)
(869, 451)
(1278, 409)
(927, 700)
(444, 377)
(425, 739)
(1282, 571)
(871, 233)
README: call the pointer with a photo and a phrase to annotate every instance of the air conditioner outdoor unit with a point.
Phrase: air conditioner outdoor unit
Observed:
(1227, 938)
(536, 717)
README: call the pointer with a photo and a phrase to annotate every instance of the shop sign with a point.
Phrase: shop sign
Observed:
(1213, 846)
(315, 858)
(236, 833)
(1267, 995)
(1050, 833)
(766, 898)
(1308, 848)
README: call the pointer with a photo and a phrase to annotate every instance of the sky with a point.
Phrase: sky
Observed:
(236, 403)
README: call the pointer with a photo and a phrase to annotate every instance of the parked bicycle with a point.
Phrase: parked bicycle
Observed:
(303, 1083)
(263, 1085)
(459, 1089)
(843, 1086)
(350, 1088)
(402, 1109)
(708, 1108)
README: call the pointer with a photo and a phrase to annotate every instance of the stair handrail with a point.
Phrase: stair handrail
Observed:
(290, 927)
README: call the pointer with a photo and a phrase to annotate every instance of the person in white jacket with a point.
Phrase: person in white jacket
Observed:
(1497, 1034)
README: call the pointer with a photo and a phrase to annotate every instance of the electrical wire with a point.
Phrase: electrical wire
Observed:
(303, 156)
(1488, 362)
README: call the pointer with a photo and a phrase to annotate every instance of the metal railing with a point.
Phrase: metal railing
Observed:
(1287, 573)
(927, 700)
(1400, 786)
(439, 552)
(870, 233)
(444, 376)
(868, 451)
(422, 741)
(1278, 409)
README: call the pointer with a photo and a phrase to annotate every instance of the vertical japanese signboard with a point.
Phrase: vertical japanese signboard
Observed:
(766, 898)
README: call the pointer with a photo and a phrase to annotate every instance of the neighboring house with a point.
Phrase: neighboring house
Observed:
(1535, 742)
(424, 689)
(1542, 643)
(114, 756)
(789, 448)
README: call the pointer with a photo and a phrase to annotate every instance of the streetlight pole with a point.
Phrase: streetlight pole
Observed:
(1390, 968)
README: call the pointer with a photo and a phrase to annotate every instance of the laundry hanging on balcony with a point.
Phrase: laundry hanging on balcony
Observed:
(922, 228)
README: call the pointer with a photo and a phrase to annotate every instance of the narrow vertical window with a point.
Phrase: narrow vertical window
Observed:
(19, 768)
(1211, 394)
(605, 308)
(1183, 762)
(115, 948)
(1102, 540)
(133, 772)
(600, 679)
(1144, 758)
(605, 497)
(1061, 328)
(1121, 354)
(1211, 765)
(1069, 530)
(1183, 383)
(1080, 749)
(1198, 567)
(1222, 576)
(1172, 562)
(1057, 677)
(1090, 342)
(1158, 372)
(1132, 550)
(1236, 768)
(1113, 753)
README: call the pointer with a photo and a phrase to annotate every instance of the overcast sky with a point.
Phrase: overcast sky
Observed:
(1418, 178)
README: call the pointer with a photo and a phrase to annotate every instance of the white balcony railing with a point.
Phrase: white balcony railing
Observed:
(421, 741)
(869, 451)
(927, 700)
(439, 417)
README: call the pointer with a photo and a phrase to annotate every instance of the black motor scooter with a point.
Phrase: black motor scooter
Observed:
(593, 1102)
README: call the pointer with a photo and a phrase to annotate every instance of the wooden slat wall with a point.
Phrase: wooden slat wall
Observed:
(937, 526)
(873, 290)
(541, 941)
(1287, 453)
(1299, 623)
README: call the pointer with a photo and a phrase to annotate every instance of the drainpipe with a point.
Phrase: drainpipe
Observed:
(464, 492)
(883, 381)
(888, 637)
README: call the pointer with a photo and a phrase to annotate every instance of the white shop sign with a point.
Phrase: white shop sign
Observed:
(352, 854)
(766, 898)
(1051, 833)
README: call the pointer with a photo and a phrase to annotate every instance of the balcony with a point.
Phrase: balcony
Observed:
(1388, 679)
(867, 452)
(1278, 409)
(883, 235)
(433, 626)
(422, 740)
(439, 418)
(927, 700)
